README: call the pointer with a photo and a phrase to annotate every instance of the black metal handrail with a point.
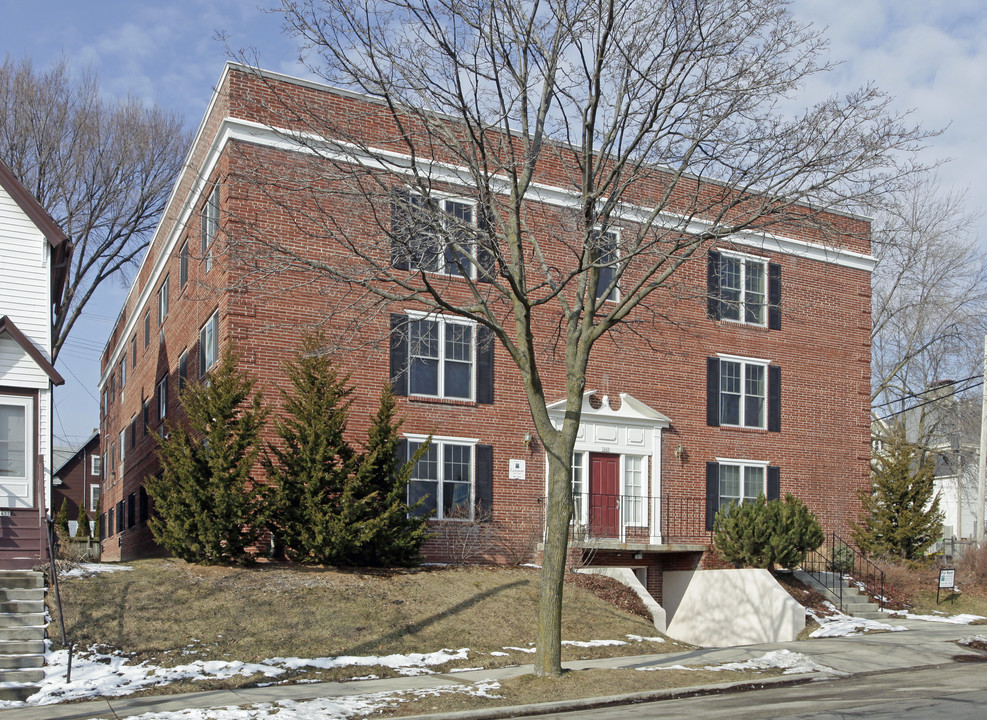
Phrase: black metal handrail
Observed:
(58, 596)
(838, 561)
(599, 516)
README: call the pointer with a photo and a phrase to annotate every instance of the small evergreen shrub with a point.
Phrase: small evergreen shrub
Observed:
(82, 531)
(766, 534)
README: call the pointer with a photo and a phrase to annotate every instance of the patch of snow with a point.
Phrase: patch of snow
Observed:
(790, 663)
(840, 625)
(642, 638)
(952, 619)
(498, 653)
(970, 639)
(96, 674)
(339, 708)
(92, 569)
(592, 643)
(520, 649)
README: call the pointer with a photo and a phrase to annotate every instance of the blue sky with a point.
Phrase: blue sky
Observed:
(931, 56)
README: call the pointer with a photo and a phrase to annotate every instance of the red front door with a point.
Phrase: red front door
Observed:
(604, 495)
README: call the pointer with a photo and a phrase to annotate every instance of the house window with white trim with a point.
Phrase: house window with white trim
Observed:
(634, 484)
(740, 483)
(93, 497)
(440, 358)
(163, 398)
(183, 266)
(94, 465)
(15, 441)
(433, 235)
(744, 289)
(443, 477)
(579, 488)
(163, 293)
(210, 225)
(209, 344)
(743, 389)
(123, 445)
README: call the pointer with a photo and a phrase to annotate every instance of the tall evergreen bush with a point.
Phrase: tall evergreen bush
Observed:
(207, 509)
(766, 534)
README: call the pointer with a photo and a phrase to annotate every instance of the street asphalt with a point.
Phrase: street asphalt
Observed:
(925, 644)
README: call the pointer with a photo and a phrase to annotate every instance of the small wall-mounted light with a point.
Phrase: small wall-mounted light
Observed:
(527, 440)
(639, 556)
(679, 451)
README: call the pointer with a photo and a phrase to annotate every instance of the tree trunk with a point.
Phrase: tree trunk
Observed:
(558, 513)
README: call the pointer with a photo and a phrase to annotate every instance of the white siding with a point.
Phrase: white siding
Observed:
(17, 368)
(24, 274)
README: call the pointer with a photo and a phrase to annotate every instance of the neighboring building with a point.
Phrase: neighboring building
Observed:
(774, 399)
(34, 254)
(76, 479)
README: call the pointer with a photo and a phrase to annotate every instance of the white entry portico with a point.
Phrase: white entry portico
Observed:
(616, 468)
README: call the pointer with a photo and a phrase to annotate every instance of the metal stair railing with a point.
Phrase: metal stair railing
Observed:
(50, 533)
(837, 561)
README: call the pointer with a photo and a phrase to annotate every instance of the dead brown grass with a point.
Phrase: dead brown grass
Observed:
(971, 567)
(912, 587)
(169, 612)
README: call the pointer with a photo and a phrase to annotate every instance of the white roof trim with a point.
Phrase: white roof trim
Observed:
(631, 410)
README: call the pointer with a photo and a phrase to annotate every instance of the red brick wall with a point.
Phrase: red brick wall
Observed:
(822, 348)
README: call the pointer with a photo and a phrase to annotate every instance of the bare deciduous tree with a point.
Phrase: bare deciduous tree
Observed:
(930, 297)
(663, 122)
(103, 170)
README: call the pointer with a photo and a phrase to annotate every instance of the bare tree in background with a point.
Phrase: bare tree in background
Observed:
(666, 120)
(929, 303)
(103, 170)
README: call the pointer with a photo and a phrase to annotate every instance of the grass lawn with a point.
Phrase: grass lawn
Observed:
(169, 612)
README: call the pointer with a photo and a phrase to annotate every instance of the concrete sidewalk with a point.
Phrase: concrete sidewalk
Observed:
(924, 644)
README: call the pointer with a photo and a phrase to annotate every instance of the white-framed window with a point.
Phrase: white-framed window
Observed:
(441, 357)
(605, 254)
(182, 370)
(93, 497)
(579, 486)
(163, 398)
(183, 265)
(634, 489)
(743, 288)
(123, 372)
(147, 329)
(16, 440)
(94, 465)
(435, 235)
(163, 293)
(210, 225)
(133, 350)
(123, 445)
(741, 481)
(743, 392)
(209, 344)
(444, 477)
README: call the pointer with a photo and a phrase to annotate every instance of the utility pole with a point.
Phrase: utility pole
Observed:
(982, 460)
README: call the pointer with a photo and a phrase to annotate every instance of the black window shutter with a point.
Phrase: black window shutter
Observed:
(399, 354)
(485, 260)
(712, 493)
(774, 398)
(713, 392)
(774, 296)
(483, 492)
(401, 454)
(713, 285)
(484, 365)
(774, 483)
(400, 231)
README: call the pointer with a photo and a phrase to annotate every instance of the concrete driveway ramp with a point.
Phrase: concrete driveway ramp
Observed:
(721, 608)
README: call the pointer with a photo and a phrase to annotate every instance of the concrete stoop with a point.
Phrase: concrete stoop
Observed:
(854, 602)
(22, 633)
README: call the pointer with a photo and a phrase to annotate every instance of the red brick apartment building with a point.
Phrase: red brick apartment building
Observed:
(758, 382)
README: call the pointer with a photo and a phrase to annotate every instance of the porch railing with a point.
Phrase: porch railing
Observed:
(837, 562)
(639, 519)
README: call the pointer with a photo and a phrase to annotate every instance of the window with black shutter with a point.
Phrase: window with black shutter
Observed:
(738, 482)
(743, 393)
(743, 289)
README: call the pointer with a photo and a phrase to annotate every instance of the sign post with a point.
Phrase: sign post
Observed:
(947, 579)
